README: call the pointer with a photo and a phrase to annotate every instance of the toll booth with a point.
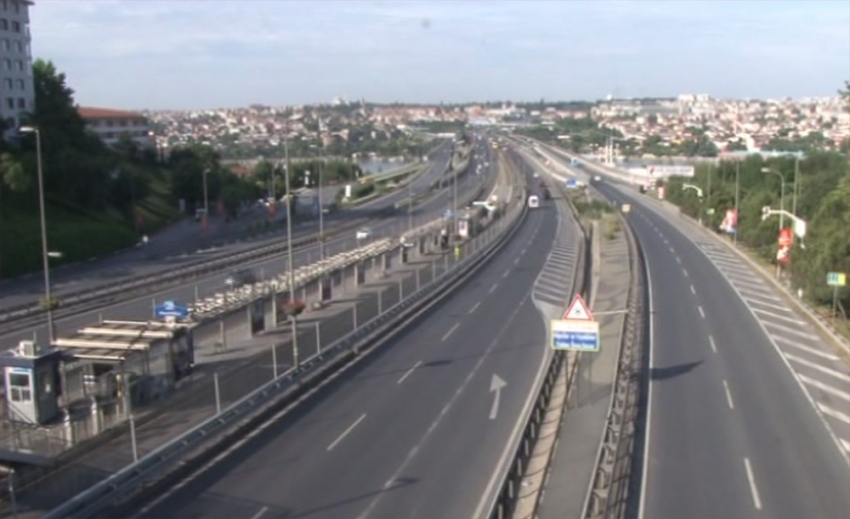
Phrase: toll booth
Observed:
(31, 375)
(109, 358)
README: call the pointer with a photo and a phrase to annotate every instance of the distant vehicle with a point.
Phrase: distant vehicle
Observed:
(363, 233)
(546, 194)
(536, 174)
(239, 278)
(533, 201)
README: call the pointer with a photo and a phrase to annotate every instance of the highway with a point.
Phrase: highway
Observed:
(730, 431)
(142, 307)
(412, 431)
(194, 248)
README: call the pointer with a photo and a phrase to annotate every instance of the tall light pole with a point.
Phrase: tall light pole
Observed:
(44, 253)
(796, 174)
(737, 200)
(321, 204)
(781, 196)
(206, 199)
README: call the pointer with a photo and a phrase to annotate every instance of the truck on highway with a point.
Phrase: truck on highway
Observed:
(533, 201)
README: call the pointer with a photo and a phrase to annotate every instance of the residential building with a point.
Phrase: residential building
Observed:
(109, 125)
(17, 96)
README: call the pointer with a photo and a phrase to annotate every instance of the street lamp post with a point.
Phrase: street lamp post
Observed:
(43, 218)
(206, 200)
(781, 196)
(737, 200)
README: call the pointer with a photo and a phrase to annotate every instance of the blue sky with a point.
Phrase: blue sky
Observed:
(219, 53)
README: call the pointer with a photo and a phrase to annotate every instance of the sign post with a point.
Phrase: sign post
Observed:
(836, 280)
(170, 311)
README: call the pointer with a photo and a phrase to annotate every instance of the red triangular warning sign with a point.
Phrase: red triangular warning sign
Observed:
(578, 310)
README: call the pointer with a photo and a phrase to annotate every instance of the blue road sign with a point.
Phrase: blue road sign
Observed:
(172, 309)
(575, 335)
(571, 182)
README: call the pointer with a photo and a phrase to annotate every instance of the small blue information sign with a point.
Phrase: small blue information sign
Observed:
(172, 309)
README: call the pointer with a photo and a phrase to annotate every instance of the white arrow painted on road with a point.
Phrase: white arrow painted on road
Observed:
(496, 385)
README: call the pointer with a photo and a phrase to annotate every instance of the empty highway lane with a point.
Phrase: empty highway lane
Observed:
(412, 431)
(730, 431)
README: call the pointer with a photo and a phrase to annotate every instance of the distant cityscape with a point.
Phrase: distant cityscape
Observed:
(729, 124)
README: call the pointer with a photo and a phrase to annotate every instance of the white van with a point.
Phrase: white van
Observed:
(533, 201)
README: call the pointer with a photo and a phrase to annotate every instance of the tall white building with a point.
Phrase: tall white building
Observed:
(17, 96)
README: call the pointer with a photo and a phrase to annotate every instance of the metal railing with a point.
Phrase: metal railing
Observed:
(156, 464)
(505, 500)
(608, 492)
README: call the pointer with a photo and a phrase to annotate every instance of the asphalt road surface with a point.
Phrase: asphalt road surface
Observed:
(142, 308)
(747, 412)
(180, 246)
(414, 430)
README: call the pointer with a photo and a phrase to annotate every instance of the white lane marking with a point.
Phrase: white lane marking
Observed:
(728, 395)
(756, 295)
(345, 432)
(794, 344)
(838, 415)
(791, 330)
(418, 363)
(685, 271)
(713, 346)
(260, 513)
(701, 313)
(779, 316)
(769, 305)
(825, 388)
(516, 261)
(474, 307)
(518, 428)
(493, 288)
(693, 290)
(678, 260)
(804, 362)
(507, 272)
(451, 331)
(523, 251)
(645, 469)
(845, 444)
(672, 251)
(753, 488)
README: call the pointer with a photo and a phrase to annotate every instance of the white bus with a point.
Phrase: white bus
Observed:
(533, 201)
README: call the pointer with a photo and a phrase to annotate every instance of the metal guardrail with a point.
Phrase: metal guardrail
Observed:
(608, 492)
(134, 477)
(504, 502)
(153, 280)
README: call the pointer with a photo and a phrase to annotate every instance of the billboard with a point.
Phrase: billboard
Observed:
(670, 171)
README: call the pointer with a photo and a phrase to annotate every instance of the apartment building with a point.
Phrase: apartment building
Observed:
(110, 124)
(17, 96)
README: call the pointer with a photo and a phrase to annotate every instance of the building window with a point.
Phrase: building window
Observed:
(22, 103)
(20, 46)
(4, 24)
(16, 26)
(7, 83)
(17, 6)
(5, 44)
(5, 5)
(10, 103)
(20, 65)
(7, 64)
(21, 84)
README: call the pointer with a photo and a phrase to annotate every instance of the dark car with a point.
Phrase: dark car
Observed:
(239, 278)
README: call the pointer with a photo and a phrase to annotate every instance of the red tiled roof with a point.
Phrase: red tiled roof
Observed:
(106, 113)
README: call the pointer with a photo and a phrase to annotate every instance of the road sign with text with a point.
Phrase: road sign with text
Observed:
(577, 331)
